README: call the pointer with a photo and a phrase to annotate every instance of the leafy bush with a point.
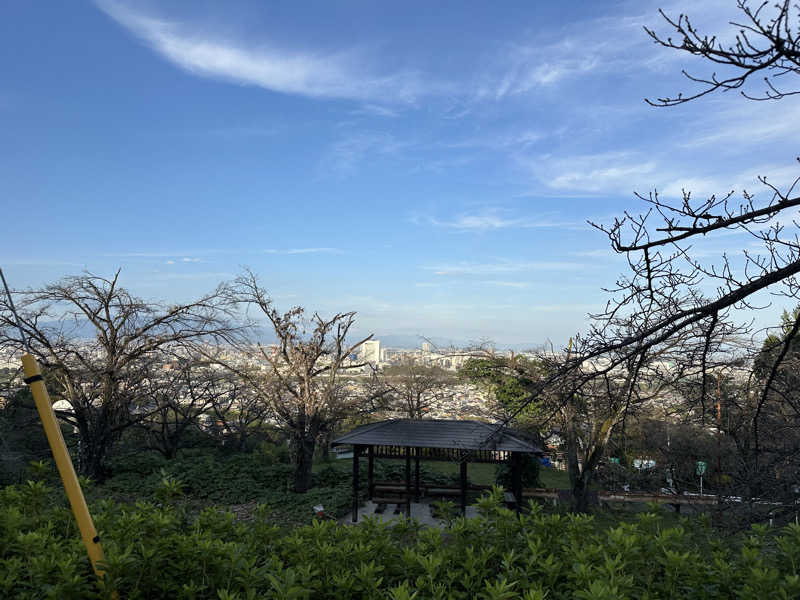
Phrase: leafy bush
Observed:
(207, 476)
(396, 471)
(529, 472)
(157, 551)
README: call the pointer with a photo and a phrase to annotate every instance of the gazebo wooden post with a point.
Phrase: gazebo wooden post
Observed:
(416, 474)
(463, 485)
(408, 482)
(356, 452)
(370, 471)
(516, 479)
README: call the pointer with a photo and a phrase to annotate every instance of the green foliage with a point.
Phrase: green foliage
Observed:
(773, 345)
(493, 373)
(157, 551)
(22, 439)
(169, 488)
(510, 381)
(530, 468)
(206, 476)
(273, 453)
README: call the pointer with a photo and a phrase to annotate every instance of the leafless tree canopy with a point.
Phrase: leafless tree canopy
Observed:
(105, 378)
(671, 286)
(412, 388)
(301, 378)
(677, 301)
(767, 44)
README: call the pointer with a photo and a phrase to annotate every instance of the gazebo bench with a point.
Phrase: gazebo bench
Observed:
(387, 501)
(389, 487)
(442, 491)
(453, 440)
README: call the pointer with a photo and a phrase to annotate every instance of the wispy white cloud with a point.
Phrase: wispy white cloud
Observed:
(730, 126)
(603, 45)
(532, 67)
(501, 266)
(473, 282)
(738, 181)
(346, 153)
(375, 110)
(495, 219)
(517, 140)
(304, 251)
(600, 45)
(171, 275)
(614, 171)
(596, 253)
(343, 74)
(511, 284)
(184, 260)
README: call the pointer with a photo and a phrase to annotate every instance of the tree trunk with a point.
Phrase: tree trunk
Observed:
(94, 446)
(304, 443)
(92, 458)
(580, 492)
(580, 485)
(170, 451)
(327, 437)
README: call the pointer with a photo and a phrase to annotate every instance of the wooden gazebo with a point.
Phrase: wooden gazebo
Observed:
(435, 439)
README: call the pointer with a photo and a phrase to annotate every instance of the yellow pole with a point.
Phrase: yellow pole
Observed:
(33, 377)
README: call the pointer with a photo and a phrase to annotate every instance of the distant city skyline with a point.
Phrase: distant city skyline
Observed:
(431, 167)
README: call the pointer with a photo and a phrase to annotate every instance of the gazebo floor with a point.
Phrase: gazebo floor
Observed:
(421, 511)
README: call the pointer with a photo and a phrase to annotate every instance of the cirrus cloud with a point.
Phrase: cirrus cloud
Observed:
(343, 75)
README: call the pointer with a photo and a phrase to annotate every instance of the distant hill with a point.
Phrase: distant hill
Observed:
(81, 328)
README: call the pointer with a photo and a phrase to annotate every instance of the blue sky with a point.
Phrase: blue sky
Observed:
(429, 165)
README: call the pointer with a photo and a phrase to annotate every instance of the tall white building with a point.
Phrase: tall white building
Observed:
(371, 351)
(426, 347)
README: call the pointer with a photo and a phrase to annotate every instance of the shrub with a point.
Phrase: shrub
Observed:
(157, 551)
(529, 472)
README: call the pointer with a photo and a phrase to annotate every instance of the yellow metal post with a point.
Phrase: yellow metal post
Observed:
(33, 377)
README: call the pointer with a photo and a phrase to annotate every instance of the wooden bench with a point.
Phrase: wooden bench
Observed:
(442, 491)
(401, 489)
(388, 500)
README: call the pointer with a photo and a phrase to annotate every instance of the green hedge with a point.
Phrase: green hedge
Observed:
(162, 552)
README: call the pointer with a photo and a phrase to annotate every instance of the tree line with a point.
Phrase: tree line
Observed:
(667, 348)
(670, 343)
(115, 363)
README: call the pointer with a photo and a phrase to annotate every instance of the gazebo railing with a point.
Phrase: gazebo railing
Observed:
(444, 454)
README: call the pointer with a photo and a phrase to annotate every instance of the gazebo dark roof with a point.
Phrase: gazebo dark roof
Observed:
(438, 433)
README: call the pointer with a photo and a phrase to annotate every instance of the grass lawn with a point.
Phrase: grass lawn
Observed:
(553, 478)
(478, 473)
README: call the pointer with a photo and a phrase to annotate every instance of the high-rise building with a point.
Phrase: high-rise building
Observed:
(371, 351)
(426, 346)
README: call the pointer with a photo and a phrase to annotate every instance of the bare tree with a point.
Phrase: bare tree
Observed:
(669, 287)
(767, 44)
(583, 403)
(671, 297)
(100, 347)
(178, 396)
(412, 388)
(301, 377)
(667, 294)
(666, 275)
(239, 409)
